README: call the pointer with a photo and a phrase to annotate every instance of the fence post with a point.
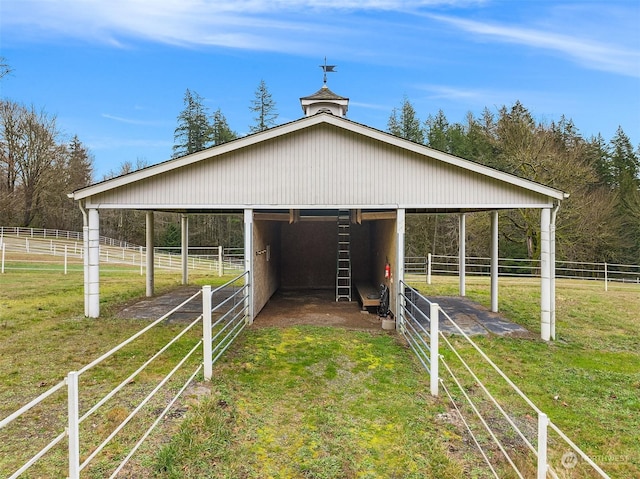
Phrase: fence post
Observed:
(606, 277)
(220, 265)
(543, 422)
(206, 333)
(433, 348)
(73, 425)
(3, 248)
(65, 259)
(429, 268)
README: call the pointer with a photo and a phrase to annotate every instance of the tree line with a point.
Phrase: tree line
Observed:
(600, 221)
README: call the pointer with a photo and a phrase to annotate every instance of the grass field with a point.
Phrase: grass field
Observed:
(317, 402)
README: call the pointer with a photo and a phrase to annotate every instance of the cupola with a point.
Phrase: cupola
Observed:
(324, 100)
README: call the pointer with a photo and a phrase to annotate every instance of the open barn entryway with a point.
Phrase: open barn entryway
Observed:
(339, 255)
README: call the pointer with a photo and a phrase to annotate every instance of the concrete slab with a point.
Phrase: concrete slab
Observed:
(319, 308)
(474, 318)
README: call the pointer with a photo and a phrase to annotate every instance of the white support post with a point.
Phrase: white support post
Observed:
(433, 347)
(545, 274)
(66, 255)
(543, 422)
(429, 268)
(149, 245)
(73, 425)
(206, 333)
(552, 259)
(399, 279)
(220, 258)
(93, 263)
(3, 250)
(184, 223)
(606, 277)
(85, 262)
(248, 261)
(494, 261)
(462, 254)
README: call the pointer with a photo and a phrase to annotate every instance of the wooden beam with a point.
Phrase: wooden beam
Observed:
(378, 215)
(271, 216)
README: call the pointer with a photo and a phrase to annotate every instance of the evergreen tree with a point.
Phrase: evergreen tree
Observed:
(264, 108)
(405, 123)
(437, 131)
(220, 131)
(74, 170)
(194, 127)
(625, 165)
(597, 154)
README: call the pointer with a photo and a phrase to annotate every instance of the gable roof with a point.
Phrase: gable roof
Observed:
(318, 151)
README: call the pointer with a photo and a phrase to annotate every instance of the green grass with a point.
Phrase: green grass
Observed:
(316, 402)
(311, 402)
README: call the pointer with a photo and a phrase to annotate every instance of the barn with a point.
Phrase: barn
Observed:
(324, 201)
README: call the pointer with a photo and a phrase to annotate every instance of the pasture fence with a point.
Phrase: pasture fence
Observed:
(54, 250)
(510, 431)
(434, 265)
(224, 316)
(64, 251)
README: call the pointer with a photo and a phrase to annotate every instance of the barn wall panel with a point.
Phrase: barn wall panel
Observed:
(324, 165)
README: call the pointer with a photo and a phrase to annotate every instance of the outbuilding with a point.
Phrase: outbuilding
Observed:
(324, 201)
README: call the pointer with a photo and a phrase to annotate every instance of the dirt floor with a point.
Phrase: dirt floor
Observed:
(319, 308)
(315, 308)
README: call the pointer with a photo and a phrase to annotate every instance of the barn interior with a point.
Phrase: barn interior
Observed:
(297, 250)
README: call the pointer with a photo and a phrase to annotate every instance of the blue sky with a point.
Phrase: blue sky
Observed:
(115, 72)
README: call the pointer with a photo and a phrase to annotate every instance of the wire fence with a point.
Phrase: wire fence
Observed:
(105, 442)
(55, 250)
(511, 433)
(433, 265)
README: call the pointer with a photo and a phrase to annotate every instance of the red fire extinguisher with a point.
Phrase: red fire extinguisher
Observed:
(387, 271)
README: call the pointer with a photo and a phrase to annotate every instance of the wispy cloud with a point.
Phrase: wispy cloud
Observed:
(114, 143)
(130, 121)
(475, 99)
(247, 24)
(587, 52)
(370, 106)
(437, 92)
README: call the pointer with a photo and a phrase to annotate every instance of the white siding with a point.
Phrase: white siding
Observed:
(323, 165)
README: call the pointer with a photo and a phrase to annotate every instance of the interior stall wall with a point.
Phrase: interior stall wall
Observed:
(266, 262)
(383, 251)
(308, 252)
(361, 253)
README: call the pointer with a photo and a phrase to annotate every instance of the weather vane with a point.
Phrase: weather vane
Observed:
(327, 68)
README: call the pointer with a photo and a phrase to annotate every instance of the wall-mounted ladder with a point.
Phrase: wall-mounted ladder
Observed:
(343, 272)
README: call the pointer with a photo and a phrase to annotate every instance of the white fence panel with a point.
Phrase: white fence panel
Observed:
(231, 311)
(501, 429)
